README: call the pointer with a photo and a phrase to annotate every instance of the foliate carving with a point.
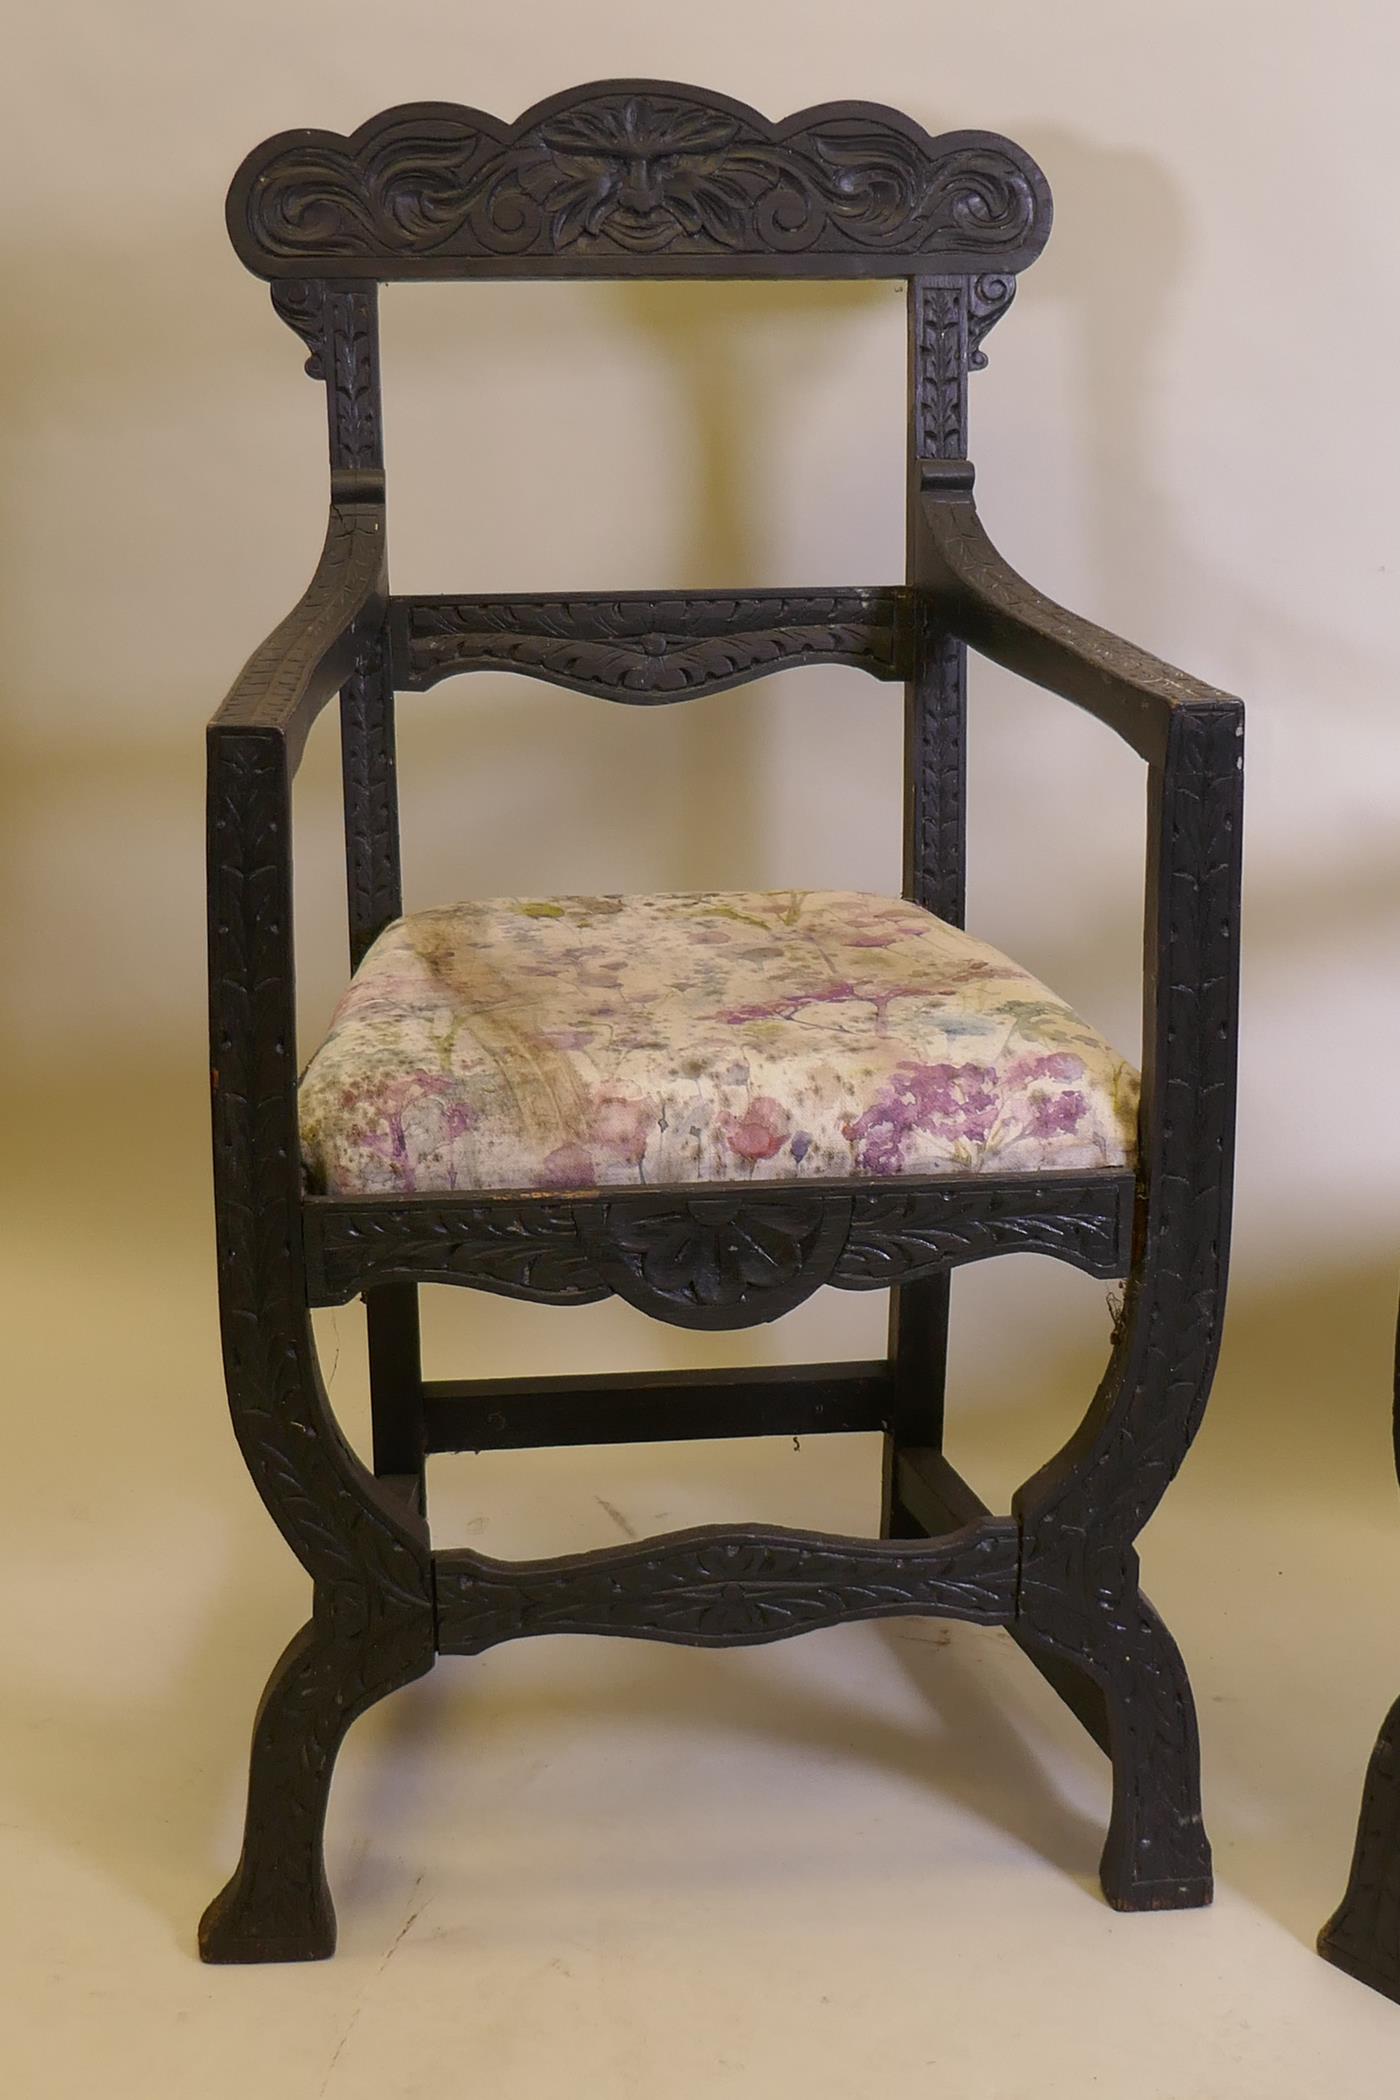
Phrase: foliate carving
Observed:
(935, 764)
(1080, 1600)
(372, 1627)
(938, 367)
(341, 608)
(1155, 1388)
(895, 1237)
(351, 335)
(988, 596)
(326, 1505)
(528, 1249)
(370, 789)
(714, 1258)
(718, 1261)
(720, 1587)
(339, 325)
(646, 649)
(949, 317)
(649, 175)
(277, 1905)
(1156, 1854)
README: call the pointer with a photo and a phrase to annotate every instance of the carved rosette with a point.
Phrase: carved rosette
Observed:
(717, 1261)
(647, 174)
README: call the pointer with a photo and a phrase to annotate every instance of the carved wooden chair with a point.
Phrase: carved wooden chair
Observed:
(713, 1105)
(1363, 1934)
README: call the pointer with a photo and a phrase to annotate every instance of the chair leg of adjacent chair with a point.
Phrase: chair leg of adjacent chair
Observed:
(1363, 1934)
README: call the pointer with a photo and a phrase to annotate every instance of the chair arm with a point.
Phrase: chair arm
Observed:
(254, 743)
(288, 680)
(977, 596)
(1192, 738)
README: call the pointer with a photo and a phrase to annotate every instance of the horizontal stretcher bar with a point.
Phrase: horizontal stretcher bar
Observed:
(515, 1414)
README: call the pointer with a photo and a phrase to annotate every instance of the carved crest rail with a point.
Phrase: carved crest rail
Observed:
(637, 178)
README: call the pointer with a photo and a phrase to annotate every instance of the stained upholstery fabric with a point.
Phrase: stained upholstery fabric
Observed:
(572, 1042)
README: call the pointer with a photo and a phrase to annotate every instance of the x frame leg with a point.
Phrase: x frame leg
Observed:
(1060, 1574)
(1061, 1571)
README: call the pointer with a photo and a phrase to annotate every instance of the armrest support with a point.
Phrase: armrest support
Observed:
(288, 680)
(255, 741)
(980, 598)
(1107, 1479)
(1191, 736)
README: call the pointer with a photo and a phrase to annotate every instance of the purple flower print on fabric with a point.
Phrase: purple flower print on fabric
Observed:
(957, 1103)
(576, 1042)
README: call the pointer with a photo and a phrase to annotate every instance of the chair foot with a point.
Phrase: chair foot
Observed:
(1122, 1673)
(1363, 1934)
(237, 1927)
(1157, 1855)
(277, 1905)
(1123, 1891)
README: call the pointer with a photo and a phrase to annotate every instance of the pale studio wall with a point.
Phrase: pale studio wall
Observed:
(1187, 431)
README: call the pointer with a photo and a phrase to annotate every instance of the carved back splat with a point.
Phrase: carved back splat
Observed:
(637, 178)
(640, 178)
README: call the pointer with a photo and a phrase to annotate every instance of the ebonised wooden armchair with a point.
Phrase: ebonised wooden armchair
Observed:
(823, 1090)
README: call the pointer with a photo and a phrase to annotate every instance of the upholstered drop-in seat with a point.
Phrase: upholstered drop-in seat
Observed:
(567, 1042)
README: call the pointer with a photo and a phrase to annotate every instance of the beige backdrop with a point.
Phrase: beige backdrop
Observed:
(1187, 430)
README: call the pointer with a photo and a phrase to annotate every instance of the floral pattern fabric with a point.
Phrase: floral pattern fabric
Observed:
(575, 1042)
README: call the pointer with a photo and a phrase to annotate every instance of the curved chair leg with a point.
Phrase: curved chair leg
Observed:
(1080, 1612)
(1363, 1934)
(277, 1905)
(365, 1548)
(1157, 1854)
(1120, 1670)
